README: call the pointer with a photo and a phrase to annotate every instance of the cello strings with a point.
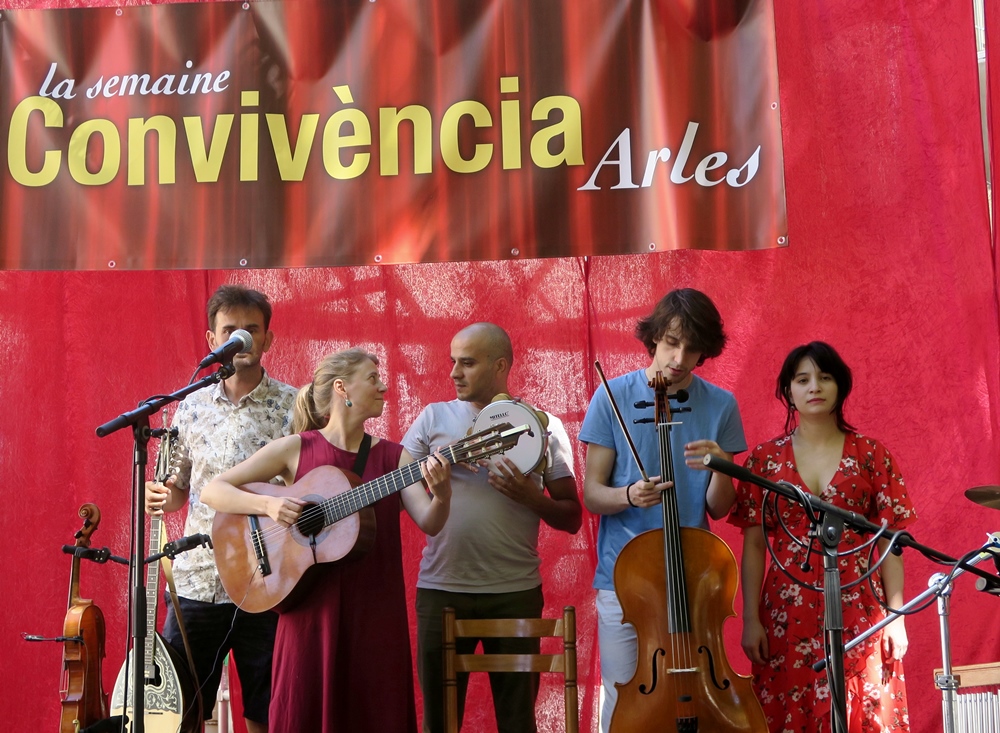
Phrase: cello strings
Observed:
(669, 558)
(679, 618)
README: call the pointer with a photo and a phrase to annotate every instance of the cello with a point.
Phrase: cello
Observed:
(677, 587)
(83, 699)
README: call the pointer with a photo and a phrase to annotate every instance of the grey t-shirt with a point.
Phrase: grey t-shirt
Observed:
(489, 543)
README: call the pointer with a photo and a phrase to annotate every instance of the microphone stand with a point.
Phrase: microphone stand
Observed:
(940, 585)
(834, 519)
(831, 532)
(138, 419)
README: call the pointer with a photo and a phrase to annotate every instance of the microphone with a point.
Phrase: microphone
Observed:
(172, 549)
(992, 585)
(239, 343)
(730, 469)
(100, 556)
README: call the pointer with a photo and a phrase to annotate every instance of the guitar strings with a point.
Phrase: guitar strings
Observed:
(343, 501)
(476, 446)
(339, 502)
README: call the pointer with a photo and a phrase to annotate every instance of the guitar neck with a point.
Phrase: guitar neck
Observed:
(343, 505)
(152, 595)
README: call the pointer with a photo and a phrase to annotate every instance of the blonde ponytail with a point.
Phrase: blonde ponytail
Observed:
(314, 401)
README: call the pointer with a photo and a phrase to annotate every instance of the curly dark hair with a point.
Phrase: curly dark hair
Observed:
(694, 312)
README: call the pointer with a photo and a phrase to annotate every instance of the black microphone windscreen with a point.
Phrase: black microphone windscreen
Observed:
(729, 468)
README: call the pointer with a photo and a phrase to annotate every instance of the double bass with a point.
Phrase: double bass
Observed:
(677, 587)
(83, 699)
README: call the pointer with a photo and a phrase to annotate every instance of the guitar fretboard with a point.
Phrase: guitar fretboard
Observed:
(343, 505)
(152, 593)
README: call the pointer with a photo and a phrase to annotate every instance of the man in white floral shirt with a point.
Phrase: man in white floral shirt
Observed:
(219, 427)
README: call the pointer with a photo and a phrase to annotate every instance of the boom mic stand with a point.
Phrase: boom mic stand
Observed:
(940, 585)
(834, 519)
(138, 419)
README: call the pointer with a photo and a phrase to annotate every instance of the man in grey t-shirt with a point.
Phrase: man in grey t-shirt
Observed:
(484, 563)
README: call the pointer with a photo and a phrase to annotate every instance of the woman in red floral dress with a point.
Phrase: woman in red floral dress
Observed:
(783, 619)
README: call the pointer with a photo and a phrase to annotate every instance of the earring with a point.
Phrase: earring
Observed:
(348, 402)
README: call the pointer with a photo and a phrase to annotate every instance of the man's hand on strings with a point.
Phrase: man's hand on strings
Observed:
(157, 495)
(644, 494)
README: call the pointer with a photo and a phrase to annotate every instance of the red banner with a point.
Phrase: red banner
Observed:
(312, 133)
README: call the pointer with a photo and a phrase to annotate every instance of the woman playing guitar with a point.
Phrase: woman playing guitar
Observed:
(342, 653)
(683, 331)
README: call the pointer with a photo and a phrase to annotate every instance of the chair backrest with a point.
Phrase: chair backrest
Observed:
(563, 663)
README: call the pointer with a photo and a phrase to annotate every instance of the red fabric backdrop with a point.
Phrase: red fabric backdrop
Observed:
(890, 259)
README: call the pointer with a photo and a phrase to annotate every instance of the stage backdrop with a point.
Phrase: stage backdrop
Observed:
(889, 260)
(330, 133)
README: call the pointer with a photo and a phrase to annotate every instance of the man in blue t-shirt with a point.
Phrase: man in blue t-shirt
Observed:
(683, 331)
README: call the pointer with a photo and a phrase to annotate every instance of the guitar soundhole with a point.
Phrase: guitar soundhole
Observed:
(156, 680)
(310, 521)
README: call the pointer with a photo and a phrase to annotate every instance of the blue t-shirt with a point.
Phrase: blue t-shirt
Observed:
(714, 416)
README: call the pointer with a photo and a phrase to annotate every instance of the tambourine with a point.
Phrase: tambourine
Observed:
(530, 451)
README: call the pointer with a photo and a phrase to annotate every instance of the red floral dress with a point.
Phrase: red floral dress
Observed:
(794, 697)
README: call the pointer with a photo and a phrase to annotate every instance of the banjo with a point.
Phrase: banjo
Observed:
(529, 453)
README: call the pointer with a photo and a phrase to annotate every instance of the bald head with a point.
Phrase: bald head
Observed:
(481, 355)
(491, 338)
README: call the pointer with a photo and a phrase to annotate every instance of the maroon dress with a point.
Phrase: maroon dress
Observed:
(342, 654)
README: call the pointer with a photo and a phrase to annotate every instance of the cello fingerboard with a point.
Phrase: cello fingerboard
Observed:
(676, 586)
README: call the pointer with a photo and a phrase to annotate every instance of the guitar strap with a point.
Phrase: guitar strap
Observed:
(362, 459)
(168, 573)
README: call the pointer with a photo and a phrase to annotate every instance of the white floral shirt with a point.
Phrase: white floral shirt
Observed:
(213, 435)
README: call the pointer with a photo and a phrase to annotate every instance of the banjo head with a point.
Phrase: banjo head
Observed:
(529, 452)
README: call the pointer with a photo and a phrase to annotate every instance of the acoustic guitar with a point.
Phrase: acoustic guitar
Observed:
(170, 701)
(261, 562)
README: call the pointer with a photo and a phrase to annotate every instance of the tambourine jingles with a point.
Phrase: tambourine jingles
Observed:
(531, 451)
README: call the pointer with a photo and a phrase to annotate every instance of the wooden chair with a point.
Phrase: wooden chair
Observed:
(564, 663)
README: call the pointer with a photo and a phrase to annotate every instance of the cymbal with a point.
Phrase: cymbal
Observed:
(988, 496)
